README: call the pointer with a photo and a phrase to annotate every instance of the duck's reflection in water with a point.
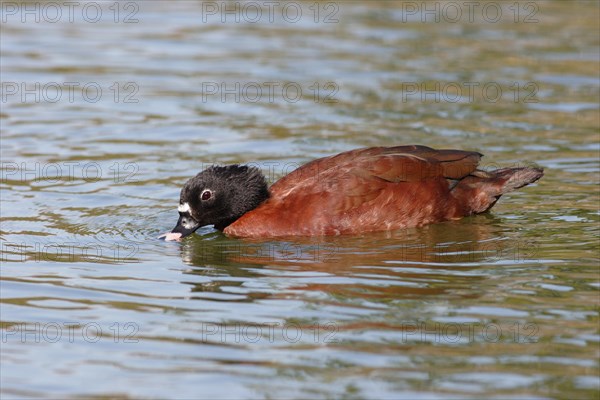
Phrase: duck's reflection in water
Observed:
(432, 260)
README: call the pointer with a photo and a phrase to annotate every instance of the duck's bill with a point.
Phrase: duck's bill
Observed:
(170, 236)
(186, 225)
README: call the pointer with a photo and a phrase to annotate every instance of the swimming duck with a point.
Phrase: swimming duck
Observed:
(354, 192)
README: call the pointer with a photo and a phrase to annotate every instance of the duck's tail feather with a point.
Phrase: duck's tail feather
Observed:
(483, 189)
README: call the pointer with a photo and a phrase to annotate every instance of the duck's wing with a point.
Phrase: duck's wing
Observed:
(391, 164)
(418, 165)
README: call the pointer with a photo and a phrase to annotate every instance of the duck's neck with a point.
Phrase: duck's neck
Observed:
(221, 225)
(244, 199)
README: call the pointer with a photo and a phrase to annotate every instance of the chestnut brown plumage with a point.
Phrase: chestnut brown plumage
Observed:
(358, 191)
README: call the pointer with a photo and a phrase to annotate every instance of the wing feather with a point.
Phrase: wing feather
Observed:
(374, 166)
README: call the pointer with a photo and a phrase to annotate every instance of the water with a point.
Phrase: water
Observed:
(500, 305)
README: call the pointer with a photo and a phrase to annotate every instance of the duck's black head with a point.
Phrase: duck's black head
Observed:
(218, 196)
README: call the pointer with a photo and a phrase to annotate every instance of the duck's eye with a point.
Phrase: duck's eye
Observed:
(207, 194)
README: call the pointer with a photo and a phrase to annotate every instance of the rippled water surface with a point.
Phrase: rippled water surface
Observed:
(102, 122)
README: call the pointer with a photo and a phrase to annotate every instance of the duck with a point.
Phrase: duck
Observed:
(351, 193)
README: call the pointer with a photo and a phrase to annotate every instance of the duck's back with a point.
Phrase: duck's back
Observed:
(373, 189)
